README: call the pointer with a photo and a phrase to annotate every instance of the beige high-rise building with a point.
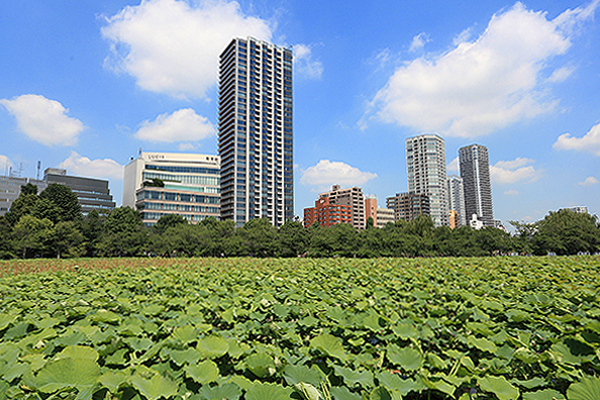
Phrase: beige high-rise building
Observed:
(351, 196)
(426, 173)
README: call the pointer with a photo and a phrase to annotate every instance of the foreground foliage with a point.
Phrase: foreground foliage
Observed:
(195, 329)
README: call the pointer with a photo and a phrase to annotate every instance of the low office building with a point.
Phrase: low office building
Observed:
(327, 214)
(92, 194)
(10, 189)
(159, 184)
(409, 206)
(384, 216)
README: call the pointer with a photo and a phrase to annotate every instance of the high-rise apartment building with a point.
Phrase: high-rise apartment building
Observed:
(256, 132)
(352, 197)
(408, 206)
(475, 172)
(426, 173)
(159, 184)
(456, 200)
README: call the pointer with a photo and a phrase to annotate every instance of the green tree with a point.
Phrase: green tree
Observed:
(45, 208)
(258, 238)
(566, 232)
(29, 188)
(92, 232)
(168, 221)
(65, 200)
(31, 235)
(124, 234)
(6, 250)
(65, 240)
(23, 205)
(293, 239)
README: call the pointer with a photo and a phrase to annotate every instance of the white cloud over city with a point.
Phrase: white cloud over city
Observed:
(100, 168)
(487, 83)
(589, 181)
(590, 142)
(180, 126)
(304, 62)
(327, 173)
(173, 47)
(43, 120)
(513, 171)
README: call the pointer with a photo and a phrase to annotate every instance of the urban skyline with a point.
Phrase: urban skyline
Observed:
(87, 84)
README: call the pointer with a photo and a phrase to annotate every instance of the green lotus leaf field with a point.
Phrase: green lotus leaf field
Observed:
(501, 328)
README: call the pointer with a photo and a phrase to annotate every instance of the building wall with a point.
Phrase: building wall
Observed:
(185, 176)
(256, 132)
(327, 214)
(456, 199)
(426, 173)
(352, 197)
(475, 172)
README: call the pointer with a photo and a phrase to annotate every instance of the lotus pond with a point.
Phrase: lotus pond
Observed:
(344, 329)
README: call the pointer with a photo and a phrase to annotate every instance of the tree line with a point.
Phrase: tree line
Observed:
(51, 225)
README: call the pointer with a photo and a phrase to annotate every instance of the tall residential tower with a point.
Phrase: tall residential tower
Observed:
(426, 173)
(475, 172)
(255, 132)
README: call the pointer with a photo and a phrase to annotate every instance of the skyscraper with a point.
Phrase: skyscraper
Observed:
(255, 132)
(426, 173)
(456, 198)
(475, 171)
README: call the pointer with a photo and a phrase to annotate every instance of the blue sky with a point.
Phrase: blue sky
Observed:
(85, 84)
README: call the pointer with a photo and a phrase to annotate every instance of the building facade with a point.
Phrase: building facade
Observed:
(256, 132)
(352, 197)
(409, 206)
(10, 189)
(384, 216)
(475, 172)
(371, 208)
(426, 173)
(92, 194)
(456, 201)
(327, 214)
(159, 184)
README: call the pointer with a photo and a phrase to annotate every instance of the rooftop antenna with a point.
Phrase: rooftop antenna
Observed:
(140, 152)
(37, 177)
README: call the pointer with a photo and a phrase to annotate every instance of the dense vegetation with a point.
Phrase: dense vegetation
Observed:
(51, 225)
(501, 328)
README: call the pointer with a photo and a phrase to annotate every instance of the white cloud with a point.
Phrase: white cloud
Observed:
(173, 46)
(5, 164)
(327, 173)
(589, 181)
(83, 166)
(514, 171)
(561, 74)
(482, 85)
(43, 120)
(511, 192)
(419, 42)
(463, 37)
(453, 166)
(590, 142)
(304, 62)
(181, 126)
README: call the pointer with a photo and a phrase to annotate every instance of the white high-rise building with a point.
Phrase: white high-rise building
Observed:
(185, 184)
(256, 132)
(456, 198)
(426, 173)
(475, 172)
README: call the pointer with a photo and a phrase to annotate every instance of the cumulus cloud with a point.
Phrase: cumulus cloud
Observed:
(100, 168)
(304, 62)
(482, 85)
(173, 46)
(517, 170)
(43, 120)
(590, 142)
(419, 41)
(181, 126)
(327, 173)
(589, 181)
(561, 74)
